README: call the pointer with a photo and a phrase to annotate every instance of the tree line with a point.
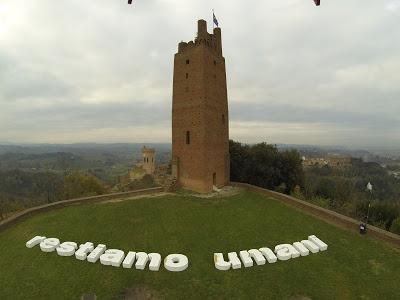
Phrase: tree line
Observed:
(339, 189)
(345, 190)
(22, 189)
(265, 166)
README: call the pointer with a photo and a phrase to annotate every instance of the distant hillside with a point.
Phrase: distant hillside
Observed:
(81, 148)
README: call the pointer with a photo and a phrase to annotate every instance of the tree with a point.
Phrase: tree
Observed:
(239, 155)
(77, 184)
(2, 209)
(265, 166)
(395, 228)
(291, 169)
(5, 207)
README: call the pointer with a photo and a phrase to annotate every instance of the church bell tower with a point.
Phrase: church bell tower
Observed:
(200, 121)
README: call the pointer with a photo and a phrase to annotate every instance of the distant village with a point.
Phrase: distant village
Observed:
(340, 161)
(332, 161)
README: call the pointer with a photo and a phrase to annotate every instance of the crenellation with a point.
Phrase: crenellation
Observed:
(211, 41)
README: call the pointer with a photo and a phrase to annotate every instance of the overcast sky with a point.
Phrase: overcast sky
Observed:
(101, 70)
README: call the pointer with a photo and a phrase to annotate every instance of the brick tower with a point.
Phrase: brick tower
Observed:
(200, 123)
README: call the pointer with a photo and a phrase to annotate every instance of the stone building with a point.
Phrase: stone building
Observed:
(147, 165)
(339, 161)
(149, 160)
(200, 121)
(333, 161)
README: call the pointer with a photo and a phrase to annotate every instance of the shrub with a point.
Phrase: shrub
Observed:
(395, 228)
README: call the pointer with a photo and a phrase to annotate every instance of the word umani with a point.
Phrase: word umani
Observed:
(262, 255)
(110, 257)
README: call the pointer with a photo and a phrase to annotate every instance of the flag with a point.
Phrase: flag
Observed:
(215, 20)
(317, 2)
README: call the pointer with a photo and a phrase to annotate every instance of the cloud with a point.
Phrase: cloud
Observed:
(102, 70)
(392, 5)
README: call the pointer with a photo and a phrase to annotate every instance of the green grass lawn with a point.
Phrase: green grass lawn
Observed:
(353, 267)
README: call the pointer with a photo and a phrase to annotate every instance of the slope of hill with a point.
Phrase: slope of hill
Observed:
(353, 267)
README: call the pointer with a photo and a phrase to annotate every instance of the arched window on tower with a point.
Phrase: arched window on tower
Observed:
(187, 137)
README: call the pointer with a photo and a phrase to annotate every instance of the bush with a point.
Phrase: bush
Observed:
(77, 184)
(395, 228)
(146, 182)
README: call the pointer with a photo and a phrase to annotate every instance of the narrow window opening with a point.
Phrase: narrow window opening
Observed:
(187, 137)
(223, 119)
(214, 178)
(187, 75)
(187, 61)
(215, 62)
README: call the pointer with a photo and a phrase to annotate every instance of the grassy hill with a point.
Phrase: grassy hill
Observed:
(353, 267)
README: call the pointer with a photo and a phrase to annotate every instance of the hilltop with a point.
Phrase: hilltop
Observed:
(354, 266)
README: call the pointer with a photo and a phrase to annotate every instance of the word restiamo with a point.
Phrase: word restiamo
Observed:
(110, 257)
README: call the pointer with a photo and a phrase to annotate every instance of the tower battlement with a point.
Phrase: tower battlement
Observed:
(212, 41)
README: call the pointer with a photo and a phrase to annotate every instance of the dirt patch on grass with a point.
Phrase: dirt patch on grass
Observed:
(137, 197)
(140, 293)
(300, 298)
(226, 191)
(376, 267)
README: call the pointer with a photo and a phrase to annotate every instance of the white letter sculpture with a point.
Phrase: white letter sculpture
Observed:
(176, 262)
(96, 253)
(49, 245)
(67, 249)
(112, 257)
(83, 250)
(35, 241)
(129, 260)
